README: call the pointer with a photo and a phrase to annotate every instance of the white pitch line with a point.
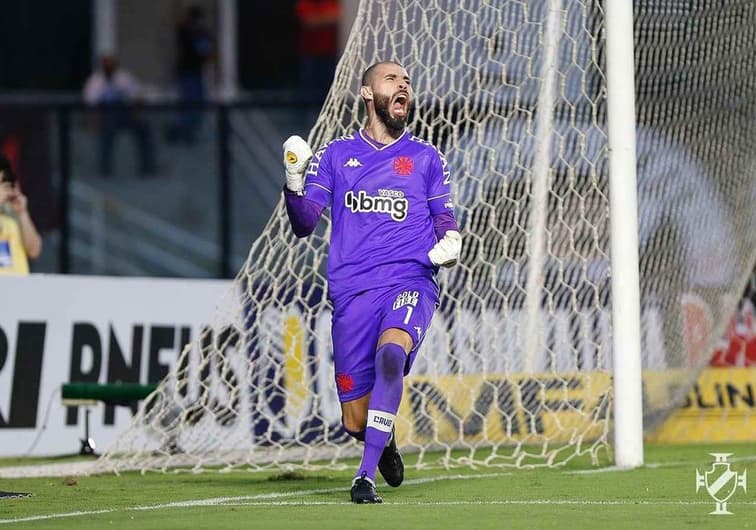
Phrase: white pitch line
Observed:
(284, 494)
(223, 501)
(54, 516)
(608, 469)
(512, 502)
(654, 465)
(269, 499)
(732, 459)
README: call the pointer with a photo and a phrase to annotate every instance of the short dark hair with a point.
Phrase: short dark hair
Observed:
(7, 171)
(369, 71)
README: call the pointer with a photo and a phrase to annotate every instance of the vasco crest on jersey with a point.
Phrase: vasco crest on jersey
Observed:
(404, 166)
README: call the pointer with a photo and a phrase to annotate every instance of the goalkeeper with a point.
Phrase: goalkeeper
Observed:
(393, 226)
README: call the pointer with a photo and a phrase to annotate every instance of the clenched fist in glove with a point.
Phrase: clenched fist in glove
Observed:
(297, 155)
(445, 253)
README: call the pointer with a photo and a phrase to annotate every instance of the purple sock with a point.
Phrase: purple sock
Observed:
(384, 402)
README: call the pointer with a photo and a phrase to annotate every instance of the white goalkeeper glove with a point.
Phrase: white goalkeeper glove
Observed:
(445, 253)
(297, 155)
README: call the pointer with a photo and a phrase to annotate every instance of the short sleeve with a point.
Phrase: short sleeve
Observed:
(319, 178)
(439, 185)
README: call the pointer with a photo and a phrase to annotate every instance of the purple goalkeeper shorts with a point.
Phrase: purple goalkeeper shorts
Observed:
(358, 322)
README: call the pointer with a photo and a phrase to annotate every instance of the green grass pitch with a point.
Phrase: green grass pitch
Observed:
(661, 494)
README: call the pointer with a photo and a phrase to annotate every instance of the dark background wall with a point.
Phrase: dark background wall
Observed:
(44, 45)
(267, 59)
(47, 45)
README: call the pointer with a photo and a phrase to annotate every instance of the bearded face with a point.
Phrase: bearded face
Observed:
(393, 111)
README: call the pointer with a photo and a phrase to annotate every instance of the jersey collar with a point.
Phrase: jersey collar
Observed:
(375, 145)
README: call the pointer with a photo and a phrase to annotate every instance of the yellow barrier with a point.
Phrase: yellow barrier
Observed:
(497, 408)
(720, 407)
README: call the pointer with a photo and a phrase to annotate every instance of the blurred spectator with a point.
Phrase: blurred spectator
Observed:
(195, 47)
(116, 92)
(318, 45)
(19, 238)
(25, 141)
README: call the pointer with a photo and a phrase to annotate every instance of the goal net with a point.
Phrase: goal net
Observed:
(516, 368)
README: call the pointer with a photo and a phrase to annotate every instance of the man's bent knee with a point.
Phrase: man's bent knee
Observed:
(389, 362)
(396, 336)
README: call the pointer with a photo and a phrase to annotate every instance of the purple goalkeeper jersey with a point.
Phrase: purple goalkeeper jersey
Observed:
(382, 198)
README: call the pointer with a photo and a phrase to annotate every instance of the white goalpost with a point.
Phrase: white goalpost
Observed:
(623, 205)
(604, 172)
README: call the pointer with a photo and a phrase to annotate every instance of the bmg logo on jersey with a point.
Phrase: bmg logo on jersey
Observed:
(391, 202)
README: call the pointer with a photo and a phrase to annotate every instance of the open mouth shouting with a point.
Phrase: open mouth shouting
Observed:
(400, 104)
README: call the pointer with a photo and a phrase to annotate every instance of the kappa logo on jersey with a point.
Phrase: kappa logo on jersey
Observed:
(391, 202)
(404, 166)
(352, 162)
